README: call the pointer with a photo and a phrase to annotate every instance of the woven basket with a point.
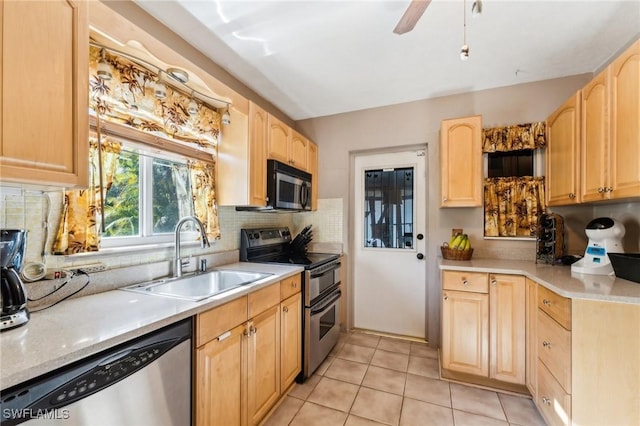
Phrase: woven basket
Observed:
(453, 254)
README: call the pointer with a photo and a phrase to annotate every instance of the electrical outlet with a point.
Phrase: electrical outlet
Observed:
(91, 268)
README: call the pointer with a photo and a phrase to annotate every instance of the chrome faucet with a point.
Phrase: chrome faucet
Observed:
(177, 263)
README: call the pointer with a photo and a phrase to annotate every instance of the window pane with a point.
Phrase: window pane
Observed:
(121, 212)
(388, 208)
(171, 195)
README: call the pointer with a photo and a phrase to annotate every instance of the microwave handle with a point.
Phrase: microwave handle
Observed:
(304, 194)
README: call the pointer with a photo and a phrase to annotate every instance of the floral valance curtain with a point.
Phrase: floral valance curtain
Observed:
(79, 231)
(128, 98)
(512, 206)
(514, 138)
(204, 197)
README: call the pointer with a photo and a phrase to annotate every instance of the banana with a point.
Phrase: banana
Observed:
(467, 242)
(459, 239)
(453, 238)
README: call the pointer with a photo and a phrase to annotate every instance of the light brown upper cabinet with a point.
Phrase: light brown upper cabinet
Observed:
(594, 139)
(243, 159)
(286, 145)
(44, 126)
(312, 159)
(461, 162)
(593, 150)
(563, 153)
(624, 124)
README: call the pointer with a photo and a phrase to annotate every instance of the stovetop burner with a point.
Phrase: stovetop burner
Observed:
(272, 245)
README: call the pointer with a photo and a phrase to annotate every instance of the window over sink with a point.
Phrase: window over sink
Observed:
(149, 194)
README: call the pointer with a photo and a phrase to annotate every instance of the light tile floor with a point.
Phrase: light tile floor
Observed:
(372, 380)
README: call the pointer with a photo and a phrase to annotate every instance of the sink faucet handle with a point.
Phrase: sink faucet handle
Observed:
(203, 265)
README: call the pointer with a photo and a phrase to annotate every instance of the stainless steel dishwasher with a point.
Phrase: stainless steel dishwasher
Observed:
(146, 381)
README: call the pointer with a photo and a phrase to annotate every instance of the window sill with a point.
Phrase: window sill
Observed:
(137, 249)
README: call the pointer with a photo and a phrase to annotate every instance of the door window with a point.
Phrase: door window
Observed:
(388, 208)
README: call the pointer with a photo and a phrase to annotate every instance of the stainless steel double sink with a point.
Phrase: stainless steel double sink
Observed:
(199, 286)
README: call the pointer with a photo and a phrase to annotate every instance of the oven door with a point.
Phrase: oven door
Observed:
(322, 330)
(317, 283)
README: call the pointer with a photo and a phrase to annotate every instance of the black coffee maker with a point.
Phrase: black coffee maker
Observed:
(13, 297)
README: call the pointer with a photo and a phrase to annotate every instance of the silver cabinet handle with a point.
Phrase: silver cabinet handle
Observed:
(494, 282)
(601, 190)
(285, 309)
(572, 195)
(465, 282)
(546, 401)
(546, 344)
(446, 297)
(546, 302)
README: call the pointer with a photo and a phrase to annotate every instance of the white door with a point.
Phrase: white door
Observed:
(390, 241)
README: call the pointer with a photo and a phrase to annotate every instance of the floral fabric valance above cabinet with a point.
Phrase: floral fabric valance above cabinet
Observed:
(128, 98)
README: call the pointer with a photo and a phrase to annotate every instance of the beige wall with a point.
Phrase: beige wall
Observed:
(339, 137)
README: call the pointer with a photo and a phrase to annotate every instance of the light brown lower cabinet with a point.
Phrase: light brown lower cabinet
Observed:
(291, 338)
(244, 348)
(587, 370)
(483, 326)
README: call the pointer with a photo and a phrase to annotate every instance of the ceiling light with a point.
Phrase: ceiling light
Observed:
(226, 117)
(464, 52)
(104, 69)
(160, 89)
(181, 75)
(192, 108)
(476, 8)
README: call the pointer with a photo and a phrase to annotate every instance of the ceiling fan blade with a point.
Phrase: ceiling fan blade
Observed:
(411, 15)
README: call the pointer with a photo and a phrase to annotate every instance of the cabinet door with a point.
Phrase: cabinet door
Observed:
(291, 346)
(461, 162)
(257, 155)
(531, 368)
(594, 140)
(624, 157)
(278, 139)
(313, 169)
(563, 152)
(465, 332)
(220, 374)
(507, 319)
(299, 151)
(44, 86)
(263, 364)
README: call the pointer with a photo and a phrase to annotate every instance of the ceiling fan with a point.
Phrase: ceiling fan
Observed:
(411, 16)
(416, 9)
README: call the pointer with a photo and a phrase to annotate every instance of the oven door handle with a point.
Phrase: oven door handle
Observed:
(336, 266)
(323, 306)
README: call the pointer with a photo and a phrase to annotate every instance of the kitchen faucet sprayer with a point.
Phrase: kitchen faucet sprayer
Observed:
(204, 241)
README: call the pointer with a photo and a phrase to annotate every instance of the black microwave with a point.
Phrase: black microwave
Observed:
(288, 188)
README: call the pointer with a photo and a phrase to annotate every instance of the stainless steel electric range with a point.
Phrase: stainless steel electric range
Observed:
(320, 290)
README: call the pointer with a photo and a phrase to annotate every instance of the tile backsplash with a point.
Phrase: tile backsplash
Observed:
(39, 213)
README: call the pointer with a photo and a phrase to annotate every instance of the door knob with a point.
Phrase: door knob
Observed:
(420, 256)
(420, 236)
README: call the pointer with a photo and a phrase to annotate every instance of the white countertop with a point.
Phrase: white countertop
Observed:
(557, 278)
(77, 328)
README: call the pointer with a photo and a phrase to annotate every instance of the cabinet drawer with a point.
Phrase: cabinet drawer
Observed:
(552, 400)
(263, 299)
(477, 282)
(290, 286)
(558, 307)
(554, 349)
(216, 321)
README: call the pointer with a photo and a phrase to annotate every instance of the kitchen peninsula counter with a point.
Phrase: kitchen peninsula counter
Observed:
(557, 278)
(81, 327)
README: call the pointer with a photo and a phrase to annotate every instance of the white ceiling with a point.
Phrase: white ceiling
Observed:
(317, 58)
